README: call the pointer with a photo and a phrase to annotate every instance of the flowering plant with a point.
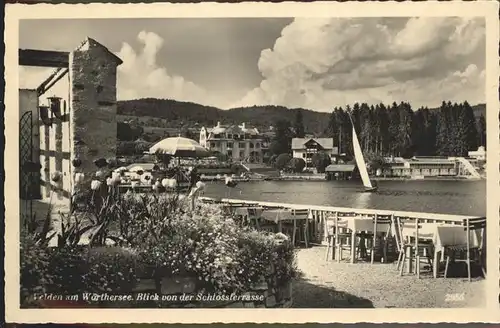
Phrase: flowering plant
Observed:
(160, 232)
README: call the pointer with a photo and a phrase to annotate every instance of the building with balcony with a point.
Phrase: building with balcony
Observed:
(238, 142)
(421, 167)
(305, 148)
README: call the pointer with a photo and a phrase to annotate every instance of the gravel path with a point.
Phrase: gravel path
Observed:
(364, 285)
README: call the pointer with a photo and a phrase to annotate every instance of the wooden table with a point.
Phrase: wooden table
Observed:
(251, 213)
(443, 235)
(360, 224)
(279, 215)
(452, 235)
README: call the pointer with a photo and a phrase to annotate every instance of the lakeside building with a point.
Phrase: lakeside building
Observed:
(421, 167)
(238, 142)
(305, 148)
(417, 167)
(479, 154)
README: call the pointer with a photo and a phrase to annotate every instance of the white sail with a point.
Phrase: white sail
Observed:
(360, 161)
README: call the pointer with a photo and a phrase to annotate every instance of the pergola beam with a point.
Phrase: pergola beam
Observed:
(43, 58)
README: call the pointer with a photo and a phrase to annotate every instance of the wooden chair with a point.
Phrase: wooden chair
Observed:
(378, 220)
(253, 218)
(334, 237)
(470, 225)
(293, 227)
(415, 246)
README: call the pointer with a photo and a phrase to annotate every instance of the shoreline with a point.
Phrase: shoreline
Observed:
(315, 178)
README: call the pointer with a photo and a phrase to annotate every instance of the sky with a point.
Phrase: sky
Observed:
(314, 63)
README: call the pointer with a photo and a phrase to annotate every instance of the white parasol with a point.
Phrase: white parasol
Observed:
(179, 147)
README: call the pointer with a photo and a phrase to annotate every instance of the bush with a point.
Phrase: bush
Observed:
(297, 165)
(282, 161)
(237, 169)
(212, 248)
(34, 265)
(199, 245)
(67, 269)
(111, 269)
(321, 161)
(159, 236)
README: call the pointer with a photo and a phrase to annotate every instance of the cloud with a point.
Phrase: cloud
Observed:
(32, 77)
(140, 76)
(322, 63)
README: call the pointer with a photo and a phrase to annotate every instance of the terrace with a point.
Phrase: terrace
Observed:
(371, 271)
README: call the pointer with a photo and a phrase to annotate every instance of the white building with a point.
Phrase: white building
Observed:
(479, 154)
(305, 148)
(238, 142)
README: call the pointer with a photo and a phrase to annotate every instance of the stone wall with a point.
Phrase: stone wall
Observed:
(182, 292)
(93, 105)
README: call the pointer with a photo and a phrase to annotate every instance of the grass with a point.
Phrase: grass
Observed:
(364, 285)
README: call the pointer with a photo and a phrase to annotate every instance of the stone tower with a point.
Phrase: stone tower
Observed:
(93, 124)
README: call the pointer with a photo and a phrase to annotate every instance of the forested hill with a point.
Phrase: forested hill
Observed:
(174, 113)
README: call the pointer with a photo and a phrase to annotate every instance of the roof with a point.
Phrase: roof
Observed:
(91, 43)
(300, 143)
(395, 160)
(234, 129)
(340, 168)
(431, 161)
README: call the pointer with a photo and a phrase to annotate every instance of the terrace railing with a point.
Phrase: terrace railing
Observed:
(319, 214)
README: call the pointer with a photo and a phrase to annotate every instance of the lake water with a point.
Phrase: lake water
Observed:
(445, 197)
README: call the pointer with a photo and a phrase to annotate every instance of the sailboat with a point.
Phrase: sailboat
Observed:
(360, 161)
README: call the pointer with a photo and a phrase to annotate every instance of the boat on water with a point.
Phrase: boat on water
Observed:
(360, 162)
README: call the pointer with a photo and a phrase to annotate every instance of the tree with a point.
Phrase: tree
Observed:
(393, 141)
(481, 131)
(320, 161)
(405, 130)
(333, 127)
(470, 127)
(345, 133)
(297, 165)
(382, 129)
(443, 130)
(266, 158)
(220, 156)
(125, 148)
(299, 125)
(282, 161)
(374, 160)
(127, 132)
(141, 146)
(282, 141)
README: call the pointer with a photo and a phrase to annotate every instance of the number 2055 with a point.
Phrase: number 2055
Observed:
(457, 297)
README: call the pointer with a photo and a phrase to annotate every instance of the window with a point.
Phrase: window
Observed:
(229, 145)
(212, 145)
(251, 145)
(242, 145)
(257, 145)
(242, 154)
(230, 154)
